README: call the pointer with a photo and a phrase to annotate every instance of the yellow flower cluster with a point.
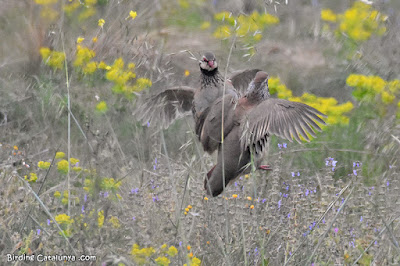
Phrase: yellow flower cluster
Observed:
(43, 165)
(328, 15)
(110, 184)
(47, 11)
(63, 219)
(187, 209)
(102, 107)
(140, 255)
(248, 26)
(194, 262)
(359, 22)
(62, 166)
(57, 194)
(60, 155)
(31, 178)
(51, 58)
(114, 222)
(83, 56)
(100, 219)
(162, 260)
(328, 106)
(368, 87)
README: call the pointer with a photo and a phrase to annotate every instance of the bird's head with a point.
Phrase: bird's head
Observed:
(208, 63)
(258, 87)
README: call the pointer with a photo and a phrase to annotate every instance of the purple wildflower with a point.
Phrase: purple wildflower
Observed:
(106, 194)
(38, 231)
(361, 219)
(298, 173)
(287, 188)
(355, 172)
(148, 123)
(155, 198)
(264, 200)
(85, 198)
(285, 145)
(292, 174)
(48, 221)
(307, 192)
(133, 218)
(336, 230)
(180, 243)
(83, 208)
(279, 204)
(279, 146)
(288, 216)
(387, 183)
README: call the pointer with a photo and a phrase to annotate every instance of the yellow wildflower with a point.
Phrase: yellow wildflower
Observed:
(100, 218)
(45, 52)
(222, 32)
(186, 209)
(189, 207)
(187, 73)
(114, 222)
(205, 198)
(132, 14)
(94, 39)
(328, 15)
(80, 39)
(44, 165)
(387, 97)
(62, 166)
(101, 22)
(31, 178)
(163, 261)
(251, 206)
(234, 196)
(90, 68)
(248, 198)
(188, 247)
(63, 219)
(73, 161)
(102, 107)
(172, 251)
(102, 65)
(57, 194)
(77, 169)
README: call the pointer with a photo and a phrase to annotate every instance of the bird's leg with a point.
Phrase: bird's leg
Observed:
(264, 167)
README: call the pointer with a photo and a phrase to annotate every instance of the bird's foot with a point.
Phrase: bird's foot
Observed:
(264, 167)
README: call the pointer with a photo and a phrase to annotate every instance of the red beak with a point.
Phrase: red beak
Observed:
(211, 63)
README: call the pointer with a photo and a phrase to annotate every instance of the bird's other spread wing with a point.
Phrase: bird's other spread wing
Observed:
(166, 106)
(241, 79)
(279, 117)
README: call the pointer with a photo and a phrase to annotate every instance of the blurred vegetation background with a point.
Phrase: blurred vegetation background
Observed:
(73, 71)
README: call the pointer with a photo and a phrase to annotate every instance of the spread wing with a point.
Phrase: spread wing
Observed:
(211, 132)
(279, 117)
(163, 108)
(242, 78)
